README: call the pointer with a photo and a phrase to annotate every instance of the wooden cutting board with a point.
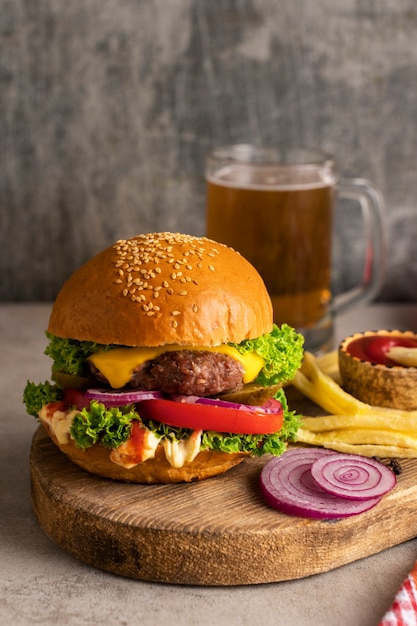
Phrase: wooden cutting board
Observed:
(215, 532)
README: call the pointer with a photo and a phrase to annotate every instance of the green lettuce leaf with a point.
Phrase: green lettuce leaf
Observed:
(69, 355)
(36, 396)
(109, 426)
(282, 351)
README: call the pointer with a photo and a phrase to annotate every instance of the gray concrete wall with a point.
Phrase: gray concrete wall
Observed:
(108, 107)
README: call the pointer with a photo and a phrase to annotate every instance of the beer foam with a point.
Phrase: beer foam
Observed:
(271, 178)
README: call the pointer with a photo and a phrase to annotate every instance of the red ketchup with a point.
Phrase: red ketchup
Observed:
(135, 446)
(373, 348)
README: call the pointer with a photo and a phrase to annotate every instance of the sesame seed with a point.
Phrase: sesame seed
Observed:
(175, 313)
(174, 324)
(138, 261)
(195, 308)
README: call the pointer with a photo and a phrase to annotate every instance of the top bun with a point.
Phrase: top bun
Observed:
(163, 288)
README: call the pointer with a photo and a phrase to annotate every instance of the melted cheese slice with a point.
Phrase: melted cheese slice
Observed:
(118, 364)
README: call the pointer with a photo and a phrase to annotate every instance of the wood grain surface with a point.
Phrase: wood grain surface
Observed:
(215, 532)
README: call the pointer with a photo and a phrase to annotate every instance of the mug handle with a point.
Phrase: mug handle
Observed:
(373, 214)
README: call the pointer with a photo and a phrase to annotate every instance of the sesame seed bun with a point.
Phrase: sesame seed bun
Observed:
(163, 288)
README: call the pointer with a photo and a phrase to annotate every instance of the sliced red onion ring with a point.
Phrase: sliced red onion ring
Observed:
(287, 485)
(112, 398)
(352, 476)
(272, 407)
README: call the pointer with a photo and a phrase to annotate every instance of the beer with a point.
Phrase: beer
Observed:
(283, 229)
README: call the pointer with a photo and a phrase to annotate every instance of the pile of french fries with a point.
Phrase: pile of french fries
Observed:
(351, 426)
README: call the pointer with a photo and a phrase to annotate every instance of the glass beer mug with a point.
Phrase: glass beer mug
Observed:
(277, 209)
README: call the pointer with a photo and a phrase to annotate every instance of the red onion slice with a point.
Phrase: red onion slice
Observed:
(272, 407)
(112, 398)
(352, 476)
(287, 485)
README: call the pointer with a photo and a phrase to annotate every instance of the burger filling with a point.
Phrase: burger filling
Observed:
(148, 368)
(133, 431)
(186, 372)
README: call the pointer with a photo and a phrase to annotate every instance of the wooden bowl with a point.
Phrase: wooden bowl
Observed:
(378, 384)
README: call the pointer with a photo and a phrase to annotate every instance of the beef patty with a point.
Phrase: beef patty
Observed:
(188, 372)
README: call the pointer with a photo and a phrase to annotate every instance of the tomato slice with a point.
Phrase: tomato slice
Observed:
(217, 418)
(75, 397)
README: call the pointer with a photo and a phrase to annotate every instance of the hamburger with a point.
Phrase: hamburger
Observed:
(167, 366)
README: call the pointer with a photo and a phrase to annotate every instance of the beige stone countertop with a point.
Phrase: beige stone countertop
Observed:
(42, 584)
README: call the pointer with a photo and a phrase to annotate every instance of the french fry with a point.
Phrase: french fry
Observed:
(403, 356)
(352, 426)
(329, 364)
(324, 391)
(372, 420)
(387, 452)
(361, 436)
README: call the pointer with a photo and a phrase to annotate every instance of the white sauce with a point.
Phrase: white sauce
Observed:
(123, 454)
(176, 452)
(185, 451)
(59, 423)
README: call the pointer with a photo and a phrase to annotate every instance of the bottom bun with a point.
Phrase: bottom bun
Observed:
(157, 470)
